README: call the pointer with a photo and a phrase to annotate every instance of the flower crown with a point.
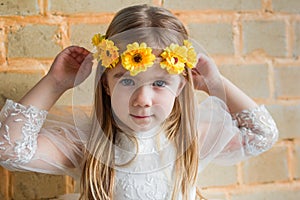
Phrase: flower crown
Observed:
(138, 57)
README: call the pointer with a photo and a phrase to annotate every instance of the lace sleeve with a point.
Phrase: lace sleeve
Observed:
(257, 128)
(31, 142)
(14, 147)
(227, 139)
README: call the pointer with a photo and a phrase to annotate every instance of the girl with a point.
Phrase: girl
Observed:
(148, 139)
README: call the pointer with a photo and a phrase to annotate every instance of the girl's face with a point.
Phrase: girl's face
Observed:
(144, 101)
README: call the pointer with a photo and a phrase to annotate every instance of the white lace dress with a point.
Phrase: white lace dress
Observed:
(32, 141)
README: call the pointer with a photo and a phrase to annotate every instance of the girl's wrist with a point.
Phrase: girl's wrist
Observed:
(55, 86)
(44, 94)
(215, 86)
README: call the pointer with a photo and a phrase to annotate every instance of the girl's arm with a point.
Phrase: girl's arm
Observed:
(206, 77)
(232, 126)
(71, 64)
(24, 144)
(236, 99)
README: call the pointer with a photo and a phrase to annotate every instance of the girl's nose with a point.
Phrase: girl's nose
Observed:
(143, 96)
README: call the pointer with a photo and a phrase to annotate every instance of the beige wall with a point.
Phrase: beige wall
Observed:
(255, 43)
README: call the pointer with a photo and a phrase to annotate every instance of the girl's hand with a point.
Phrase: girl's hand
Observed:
(71, 67)
(206, 76)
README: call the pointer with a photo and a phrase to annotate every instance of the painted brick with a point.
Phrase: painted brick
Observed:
(215, 175)
(68, 196)
(15, 85)
(291, 6)
(37, 186)
(2, 44)
(213, 4)
(78, 6)
(215, 38)
(268, 167)
(297, 39)
(35, 41)
(18, 7)
(248, 77)
(213, 195)
(287, 81)
(297, 160)
(274, 193)
(287, 119)
(4, 180)
(81, 34)
(267, 36)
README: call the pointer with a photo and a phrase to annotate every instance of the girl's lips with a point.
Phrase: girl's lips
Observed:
(140, 116)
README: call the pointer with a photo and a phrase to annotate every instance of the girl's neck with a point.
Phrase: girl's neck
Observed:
(143, 135)
(149, 133)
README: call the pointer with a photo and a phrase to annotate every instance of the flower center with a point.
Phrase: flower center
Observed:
(137, 58)
(174, 60)
(108, 53)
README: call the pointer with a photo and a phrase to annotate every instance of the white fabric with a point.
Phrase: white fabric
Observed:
(57, 147)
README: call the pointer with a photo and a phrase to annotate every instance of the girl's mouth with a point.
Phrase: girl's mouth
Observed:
(140, 116)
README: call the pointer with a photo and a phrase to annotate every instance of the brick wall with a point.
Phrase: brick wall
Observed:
(256, 44)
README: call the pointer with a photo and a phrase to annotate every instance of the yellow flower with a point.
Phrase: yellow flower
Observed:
(174, 58)
(137, 58)
(191, 54)
(107, 52)
(97, 39)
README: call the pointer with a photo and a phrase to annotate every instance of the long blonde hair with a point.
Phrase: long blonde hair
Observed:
(98, 176)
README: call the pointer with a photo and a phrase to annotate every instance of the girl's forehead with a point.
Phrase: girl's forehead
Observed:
(153, 72)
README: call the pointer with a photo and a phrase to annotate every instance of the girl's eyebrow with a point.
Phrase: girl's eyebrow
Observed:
(119, 75)
(168, 77)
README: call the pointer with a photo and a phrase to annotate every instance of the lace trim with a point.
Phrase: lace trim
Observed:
(22, 149)
(258, 129)
(144, 186)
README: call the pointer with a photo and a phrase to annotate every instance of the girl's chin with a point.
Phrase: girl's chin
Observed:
(138, 125)
(140, 128)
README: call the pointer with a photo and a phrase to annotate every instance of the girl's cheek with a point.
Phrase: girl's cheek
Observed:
(166, 100)
(123, 97)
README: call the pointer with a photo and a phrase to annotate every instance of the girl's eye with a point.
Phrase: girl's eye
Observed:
(159, 83)
(127, 82)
